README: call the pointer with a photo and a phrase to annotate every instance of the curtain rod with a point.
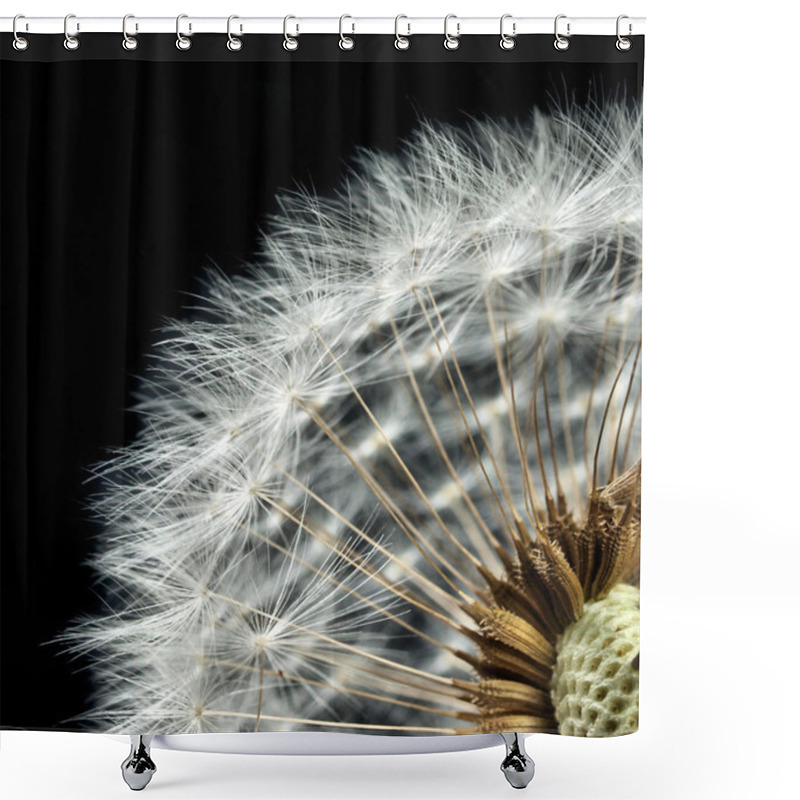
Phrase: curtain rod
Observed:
(463, 26)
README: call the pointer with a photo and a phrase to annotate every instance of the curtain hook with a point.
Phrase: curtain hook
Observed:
(20, 42)
(234, 44)
(452, 42)
(507, 42)
(561, 42)
(289, 42)
(129, 42)
(182, 42)
(346, 42)
(623, 43)
(401, 42)
(71, 42)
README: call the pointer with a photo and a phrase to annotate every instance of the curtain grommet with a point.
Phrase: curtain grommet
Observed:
(507, 42)
(129, 42)
(290, 43)
(451, 42)
(234, 43)
(401, 42)
(20, 43)
(346, 42)
(182, 42)
(70, 42)
(561, 42)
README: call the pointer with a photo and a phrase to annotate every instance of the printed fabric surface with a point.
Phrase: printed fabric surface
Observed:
(321, 386)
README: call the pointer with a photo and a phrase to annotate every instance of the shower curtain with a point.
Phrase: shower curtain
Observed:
(321, 381)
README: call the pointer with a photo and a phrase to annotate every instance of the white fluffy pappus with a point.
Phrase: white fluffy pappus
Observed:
(335, 458)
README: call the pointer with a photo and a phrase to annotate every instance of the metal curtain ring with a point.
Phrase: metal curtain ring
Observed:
(70, 42)
(20, 42)
(401, 42)
(289, 42)
(561, 42)
(451, 42)
(129, 42)
(234, 44)
(507, 42)
(182, 42)
(346, 42)
(623, 43)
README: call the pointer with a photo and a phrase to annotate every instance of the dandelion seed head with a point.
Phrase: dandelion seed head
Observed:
(366, 477)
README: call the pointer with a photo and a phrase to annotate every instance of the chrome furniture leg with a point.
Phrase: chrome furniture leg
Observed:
(138, 768)
(517, 766)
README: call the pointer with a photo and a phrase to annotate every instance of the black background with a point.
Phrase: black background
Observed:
(123, 176)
